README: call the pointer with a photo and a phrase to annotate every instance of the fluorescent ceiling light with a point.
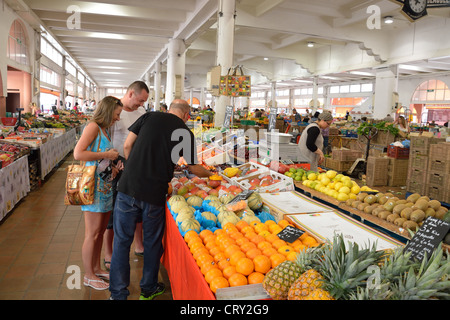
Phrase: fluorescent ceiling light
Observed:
(265, 59)
(388, 20)
(109, 67)
(104, 35)
(360, 73)
(109, 72)
(310, 44)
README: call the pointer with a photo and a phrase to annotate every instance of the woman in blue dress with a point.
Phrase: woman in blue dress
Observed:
(95, 145)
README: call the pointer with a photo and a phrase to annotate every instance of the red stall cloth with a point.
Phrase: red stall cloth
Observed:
(186, 280)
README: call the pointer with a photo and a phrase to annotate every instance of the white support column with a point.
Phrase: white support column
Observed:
(225, 50)
(157, 86)
(202, 97)
(386, 84)
(175, 70)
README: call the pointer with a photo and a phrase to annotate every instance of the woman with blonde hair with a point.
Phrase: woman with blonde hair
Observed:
(95, 145)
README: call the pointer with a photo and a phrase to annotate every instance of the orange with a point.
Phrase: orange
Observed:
(245, 266)
(237, 279)
(213, 273)
(255, 277)
(204, 258)
(219, 231)
(262, 263)
(261, 227)
(283, 223)
(241, 241)
(229, 271)
(236, 256)
(285, 250)
(194, 240)
(295, 243)
(247, 246)
(269, 251)
(204, 233)
(252, 253)
(211, 244)
(219, 256)
(264, 244)
(271, 238)
(249, 235)
(241, 224)
(232, 248)
(257, 239)
(188, 235)
(196, 246)
(236, 235)
(303, 236)
(300, 247)
(227, 243)
(264, 233)
(269, 222)
(205, 267)
(277, 244)
(209, 238)
(229, 227)
(275, 229)
(215, 250)
(309, 241)
(199, 252)
(246, 229)
(217, 283)
(276, 259)
(223, 264)
(254, 223)
(292, 256)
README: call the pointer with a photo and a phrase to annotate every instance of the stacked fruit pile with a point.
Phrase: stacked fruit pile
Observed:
(407, 213)
(203, 187)
(335, 185)
(242, 253)
(340, 271)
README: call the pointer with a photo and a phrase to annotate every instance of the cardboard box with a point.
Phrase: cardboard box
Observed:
(377, 171)
(345, 154)
(440, 151)
(397, 172)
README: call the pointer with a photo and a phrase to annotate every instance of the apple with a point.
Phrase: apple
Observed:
(182, 191)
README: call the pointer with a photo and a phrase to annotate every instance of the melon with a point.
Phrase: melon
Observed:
(249, 219)
(190, 224)
(187, 210)
(216, 204)
(242, 213)
(212, 198)
(224, 214)
(226, 198)
(209, 216)
(255, 201)
(183, 217)
(178, 205)
(175, 198)
(230, 218)
(194, 201)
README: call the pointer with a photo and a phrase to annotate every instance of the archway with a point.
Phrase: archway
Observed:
(431, 102)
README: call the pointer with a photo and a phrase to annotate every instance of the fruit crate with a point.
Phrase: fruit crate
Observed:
(437, 192)
(398, 152)
(345, 154)
(440, 151)
(422, 144)
(252, 169)
(415, 187)
(280, 182)
(337, 165)
(8, 121)
(440, 166)
(418, 160)
(437, 178)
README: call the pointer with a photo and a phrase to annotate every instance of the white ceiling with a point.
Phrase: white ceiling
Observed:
(120, 40)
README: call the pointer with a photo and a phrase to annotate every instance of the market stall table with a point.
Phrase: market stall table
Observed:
(186, 279)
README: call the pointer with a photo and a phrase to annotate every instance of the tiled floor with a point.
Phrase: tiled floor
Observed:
(41, 238)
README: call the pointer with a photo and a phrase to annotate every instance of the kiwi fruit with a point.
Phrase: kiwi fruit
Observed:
(349, 202)
(440, 213)
(434, 204)
(383, 200)
(426, 198)
(406, 213)
(362, 205)
(361, 196)
(417, 215)
(413, 197)
(399, 221)
(384, 214)
(356, 203)
(369, 209)
(389, 206)
(430, 212)
(409, 204)
(370, 199)
(421, 204)
(400, 202)
(389, 195)
(398, 208)
(379, 195)
(411, 225)
(392, 217)
(377, 210)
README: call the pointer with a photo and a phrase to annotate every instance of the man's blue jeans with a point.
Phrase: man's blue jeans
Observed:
(127, 212)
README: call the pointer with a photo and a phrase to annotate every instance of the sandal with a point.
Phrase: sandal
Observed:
(107, 264)
(95, 284)
(104, 276)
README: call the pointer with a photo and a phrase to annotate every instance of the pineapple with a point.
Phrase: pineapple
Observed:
(319, 294)
(278, 280)
(304, 287)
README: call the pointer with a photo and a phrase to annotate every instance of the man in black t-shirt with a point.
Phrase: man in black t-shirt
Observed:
(154, 145)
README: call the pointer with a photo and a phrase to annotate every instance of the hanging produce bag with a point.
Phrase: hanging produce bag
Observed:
(235, 83)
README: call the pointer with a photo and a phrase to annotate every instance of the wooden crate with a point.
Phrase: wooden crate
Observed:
(415, 187)
(345, 154)
(377, 171)
(439, 166)
(339, 166)
(440, 151)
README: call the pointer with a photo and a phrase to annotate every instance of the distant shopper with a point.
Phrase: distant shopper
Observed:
(95, 137)
(258, 113)
(153, 147)
(402, 125)
(388, 118)
(297, 116)
(136, 95)
(311, 141)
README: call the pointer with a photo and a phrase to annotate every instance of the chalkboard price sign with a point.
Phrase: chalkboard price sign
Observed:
(290, 234)
(427, 238)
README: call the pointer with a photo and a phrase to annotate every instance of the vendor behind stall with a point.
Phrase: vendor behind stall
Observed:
(311, 141)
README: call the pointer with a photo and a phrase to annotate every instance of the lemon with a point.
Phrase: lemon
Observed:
(342, 196)
(345, 190)
(338, 177)
(355, 189)
(338, 185)
(325, 180)
(348, 183)
(312, 176)
(331, 174)
(351, 196)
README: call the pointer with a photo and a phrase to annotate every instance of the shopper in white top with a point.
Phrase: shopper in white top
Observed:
(133, 101)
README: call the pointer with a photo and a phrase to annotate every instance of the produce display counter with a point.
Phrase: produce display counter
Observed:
(186, 280)
(14, 185)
